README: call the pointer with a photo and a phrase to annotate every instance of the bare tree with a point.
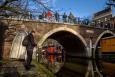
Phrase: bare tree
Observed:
(22, 8)
(39, 7)
(5, 8)
(111, 3)
(12, 7)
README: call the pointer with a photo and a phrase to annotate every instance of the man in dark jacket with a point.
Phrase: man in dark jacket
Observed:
(64, 17)
(30, 44)
(57, 16)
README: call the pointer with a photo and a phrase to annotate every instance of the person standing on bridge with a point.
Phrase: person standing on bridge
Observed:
(70, 18)
(57, 16)
(50, 15)
(29, 43)
(64, 18)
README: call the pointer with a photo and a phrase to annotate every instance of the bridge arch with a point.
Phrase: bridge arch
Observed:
(17, 50)
(61, 29)
(75, 47)
(64, 30)
(107, 33)
(96, 52)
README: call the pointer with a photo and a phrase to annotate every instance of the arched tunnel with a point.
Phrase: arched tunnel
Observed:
(71, 43)
(103, 66)
(97, 52)
(75, 64)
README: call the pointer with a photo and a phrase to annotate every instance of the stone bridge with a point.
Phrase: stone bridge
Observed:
(79, 41)
(76, 39)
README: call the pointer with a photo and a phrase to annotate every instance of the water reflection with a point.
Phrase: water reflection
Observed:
(106, 68)
(106, 64)
(74, 67)
(77, 67)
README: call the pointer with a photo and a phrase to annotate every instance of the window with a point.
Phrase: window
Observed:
(105, 19)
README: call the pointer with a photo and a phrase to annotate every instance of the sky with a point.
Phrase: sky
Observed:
(79, 8)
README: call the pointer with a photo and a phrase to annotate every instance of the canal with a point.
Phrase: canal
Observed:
(76, 64)
(79, 68)
(75, 67)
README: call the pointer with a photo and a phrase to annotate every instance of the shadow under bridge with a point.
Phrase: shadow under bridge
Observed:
(76, 62)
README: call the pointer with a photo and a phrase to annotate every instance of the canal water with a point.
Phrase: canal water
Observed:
(79, 68)
(75, 64)
(106, 68)
(74, 68)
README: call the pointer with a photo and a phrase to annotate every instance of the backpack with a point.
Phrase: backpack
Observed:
(25, 41)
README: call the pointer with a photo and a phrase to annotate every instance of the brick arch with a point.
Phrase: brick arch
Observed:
(18, 51)
(100, 36)
(61, 29)
(95, 45)
(51, 32)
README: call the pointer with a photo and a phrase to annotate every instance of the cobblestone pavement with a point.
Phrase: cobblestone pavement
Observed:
(17, 69)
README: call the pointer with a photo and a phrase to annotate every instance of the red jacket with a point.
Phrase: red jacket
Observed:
(49, 14)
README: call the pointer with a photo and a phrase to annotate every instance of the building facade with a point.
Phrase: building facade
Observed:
(104, 19)
(112, 21)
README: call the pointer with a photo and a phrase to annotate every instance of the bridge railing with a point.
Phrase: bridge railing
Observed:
(53, 19)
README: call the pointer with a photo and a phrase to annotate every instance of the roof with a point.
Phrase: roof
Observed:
(106, 10)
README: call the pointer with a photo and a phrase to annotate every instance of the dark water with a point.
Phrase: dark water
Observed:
(74, 68)
(79, 67)
(106, 68)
